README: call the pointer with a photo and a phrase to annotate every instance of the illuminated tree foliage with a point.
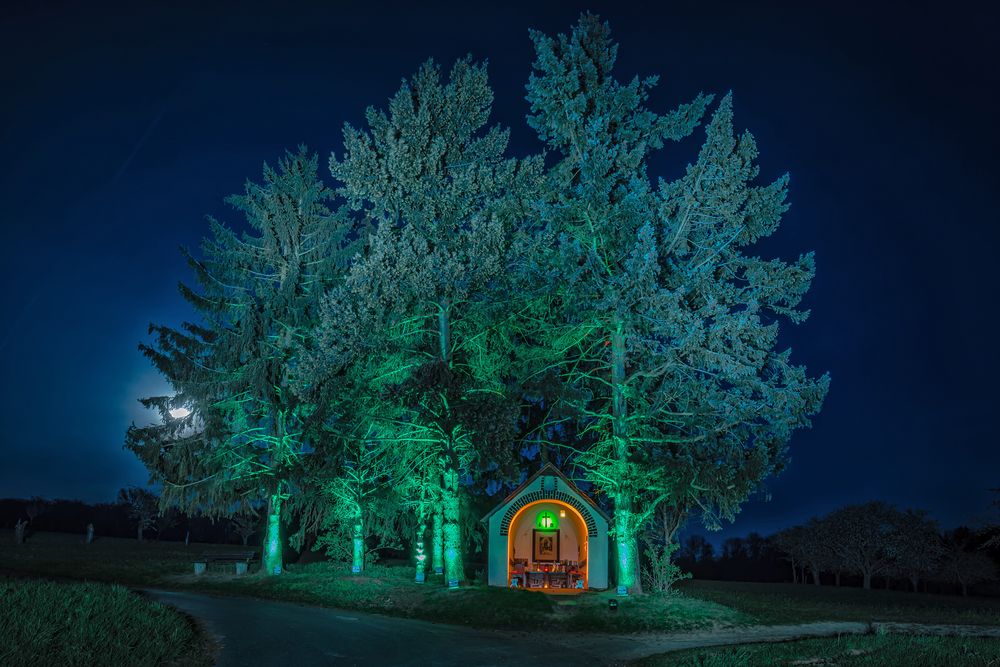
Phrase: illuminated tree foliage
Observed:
(367, 366)
(659, 320)
(419, 308)
(361, 505)
(257, 297)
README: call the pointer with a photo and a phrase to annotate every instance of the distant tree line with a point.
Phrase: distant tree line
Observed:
(135, 514)
(856, 545)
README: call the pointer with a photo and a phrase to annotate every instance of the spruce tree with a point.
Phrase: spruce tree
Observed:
(662, 328)
(258, 293)
(420, 304)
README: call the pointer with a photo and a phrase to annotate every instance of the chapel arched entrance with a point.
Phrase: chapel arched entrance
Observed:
(547, 547)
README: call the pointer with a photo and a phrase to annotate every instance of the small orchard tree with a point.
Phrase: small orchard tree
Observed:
(246, 524)
(660, 572)
(142, 506)
(791, 542)
(36, 507)
(918, 550)
(865, 538)
(994, 528)
(965, 568)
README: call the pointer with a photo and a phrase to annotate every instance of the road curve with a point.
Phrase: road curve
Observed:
(265, 632)
(255, 632)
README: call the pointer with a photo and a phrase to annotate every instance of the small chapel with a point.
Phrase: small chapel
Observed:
(549, 536)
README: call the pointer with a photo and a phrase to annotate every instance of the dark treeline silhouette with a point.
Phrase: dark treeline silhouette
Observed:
(868, 545)
(750, 558)
(134, 508)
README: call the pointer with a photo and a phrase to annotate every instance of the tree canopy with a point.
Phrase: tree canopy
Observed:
(376, 354)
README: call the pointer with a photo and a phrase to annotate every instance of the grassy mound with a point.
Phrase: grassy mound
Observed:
(49, 623)
(847, 651)
(391, 590)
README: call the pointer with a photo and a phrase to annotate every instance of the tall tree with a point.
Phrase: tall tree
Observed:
(257, 297)
(421, 305)
(659, 322)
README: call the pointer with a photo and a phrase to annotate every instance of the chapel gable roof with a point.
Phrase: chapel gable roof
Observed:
(549, 470)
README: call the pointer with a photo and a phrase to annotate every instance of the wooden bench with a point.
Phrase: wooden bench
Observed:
(241, 558)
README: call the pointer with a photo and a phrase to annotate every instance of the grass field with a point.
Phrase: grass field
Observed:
(804, 603)
(847, 651)
(387, 590)
(44, 622)
(390, 590)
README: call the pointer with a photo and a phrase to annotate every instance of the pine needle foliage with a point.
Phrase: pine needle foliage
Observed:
(662, 323)
(257, 296)
(433, 180)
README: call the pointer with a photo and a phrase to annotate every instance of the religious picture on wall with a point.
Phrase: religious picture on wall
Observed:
(546, 545)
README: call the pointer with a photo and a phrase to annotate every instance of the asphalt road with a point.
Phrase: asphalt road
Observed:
(264, 632)
(255, 632)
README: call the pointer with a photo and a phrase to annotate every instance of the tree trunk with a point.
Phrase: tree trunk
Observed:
(915, 581)
(419, 555)
(454, 568)
(437, 540)
(626, 539)
(795, 574)
(187, 537)
(965, 590)
(627, 546)
(138, 531)
(836, 576)
(867, 580)
(245, 539)
(357, 543)
(273, 562)
(815, 574)
(452, 529)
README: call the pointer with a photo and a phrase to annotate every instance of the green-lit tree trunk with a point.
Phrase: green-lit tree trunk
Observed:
(419, 552)
(437, 540)
(626, 540)
(272, 557)
(452, 529)
(358, 542)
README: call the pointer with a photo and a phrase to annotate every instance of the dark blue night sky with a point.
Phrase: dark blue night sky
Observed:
(121, 128)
